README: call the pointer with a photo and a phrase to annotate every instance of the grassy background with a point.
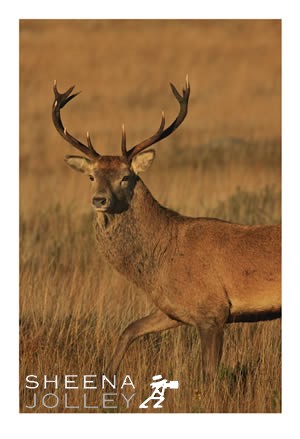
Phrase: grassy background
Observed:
(225, 161)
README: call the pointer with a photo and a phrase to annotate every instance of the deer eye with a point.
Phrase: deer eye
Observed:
(125, 179)
(91, 178)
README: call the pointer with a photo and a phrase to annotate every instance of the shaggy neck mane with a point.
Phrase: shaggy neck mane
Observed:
(136, 241)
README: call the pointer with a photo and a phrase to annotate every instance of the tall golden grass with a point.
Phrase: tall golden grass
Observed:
(224, 162)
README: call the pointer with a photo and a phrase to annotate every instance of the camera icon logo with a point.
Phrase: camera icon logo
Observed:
(159, 386)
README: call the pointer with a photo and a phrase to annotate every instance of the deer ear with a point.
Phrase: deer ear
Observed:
(143, 161)
(80, 164)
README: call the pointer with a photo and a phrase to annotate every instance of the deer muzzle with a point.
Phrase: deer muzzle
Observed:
(101, 202)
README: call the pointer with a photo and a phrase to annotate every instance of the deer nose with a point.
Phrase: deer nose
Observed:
(101, 202)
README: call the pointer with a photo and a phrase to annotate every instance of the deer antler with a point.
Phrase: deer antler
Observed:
(161, 133)
(61, 99)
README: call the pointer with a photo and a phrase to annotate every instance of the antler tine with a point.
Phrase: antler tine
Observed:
(90, 145)
(61, 99)
(161, 133)
(123, 142)
(187, 84)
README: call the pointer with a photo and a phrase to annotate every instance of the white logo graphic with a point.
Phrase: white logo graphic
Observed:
(159, 385)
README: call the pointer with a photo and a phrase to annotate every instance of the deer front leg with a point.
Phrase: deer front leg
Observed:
(154, 322)
(211, 346)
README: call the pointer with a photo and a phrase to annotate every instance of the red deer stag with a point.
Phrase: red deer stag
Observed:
(203, 272)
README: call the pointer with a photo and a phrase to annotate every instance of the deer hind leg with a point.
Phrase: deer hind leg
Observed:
(211, 346)
(154, 322)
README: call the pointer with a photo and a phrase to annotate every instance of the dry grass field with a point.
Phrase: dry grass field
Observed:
(225, 161)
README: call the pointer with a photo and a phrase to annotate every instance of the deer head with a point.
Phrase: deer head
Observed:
(114, 177)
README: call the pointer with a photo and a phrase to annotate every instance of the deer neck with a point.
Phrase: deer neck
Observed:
(136, 241)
